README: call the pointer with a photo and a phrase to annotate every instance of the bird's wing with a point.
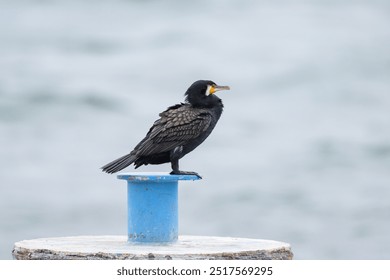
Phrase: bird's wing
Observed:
(176, 126)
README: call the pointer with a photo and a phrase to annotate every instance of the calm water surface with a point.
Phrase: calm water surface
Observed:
(301, 153)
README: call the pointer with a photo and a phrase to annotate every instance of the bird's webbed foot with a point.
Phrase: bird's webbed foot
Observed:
(178, 172)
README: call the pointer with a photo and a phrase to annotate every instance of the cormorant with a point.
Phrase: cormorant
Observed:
(179, 130)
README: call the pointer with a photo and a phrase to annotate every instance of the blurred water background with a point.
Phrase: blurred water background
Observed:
(301, 153)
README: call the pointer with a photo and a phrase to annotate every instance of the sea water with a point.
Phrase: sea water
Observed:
(301, 153)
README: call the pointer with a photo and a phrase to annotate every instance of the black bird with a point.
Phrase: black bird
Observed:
(180, 129)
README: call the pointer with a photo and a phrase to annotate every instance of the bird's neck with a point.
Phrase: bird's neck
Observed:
(219, 108)
(216, 107)
(210, 102)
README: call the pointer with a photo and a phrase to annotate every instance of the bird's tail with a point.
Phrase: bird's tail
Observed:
(119, 163)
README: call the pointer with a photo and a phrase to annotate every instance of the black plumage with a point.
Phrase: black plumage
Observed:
(178, 131)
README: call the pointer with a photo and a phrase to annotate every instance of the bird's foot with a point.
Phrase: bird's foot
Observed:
(178, 172)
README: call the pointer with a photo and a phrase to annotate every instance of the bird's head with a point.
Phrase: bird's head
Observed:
(201, 93)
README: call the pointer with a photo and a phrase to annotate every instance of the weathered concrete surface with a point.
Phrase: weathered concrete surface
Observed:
(116, 247)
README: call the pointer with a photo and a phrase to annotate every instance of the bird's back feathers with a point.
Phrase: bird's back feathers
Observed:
(177, 125)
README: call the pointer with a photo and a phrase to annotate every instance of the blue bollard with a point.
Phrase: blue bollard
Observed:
(152, 206)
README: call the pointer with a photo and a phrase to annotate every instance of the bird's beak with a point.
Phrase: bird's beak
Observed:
(218, 88)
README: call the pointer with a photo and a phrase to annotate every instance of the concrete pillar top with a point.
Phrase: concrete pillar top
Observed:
(117, 247)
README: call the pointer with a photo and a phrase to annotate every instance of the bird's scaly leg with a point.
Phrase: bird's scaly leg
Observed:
(175, 155)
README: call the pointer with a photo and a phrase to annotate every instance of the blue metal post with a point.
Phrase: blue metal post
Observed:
(153, 206)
